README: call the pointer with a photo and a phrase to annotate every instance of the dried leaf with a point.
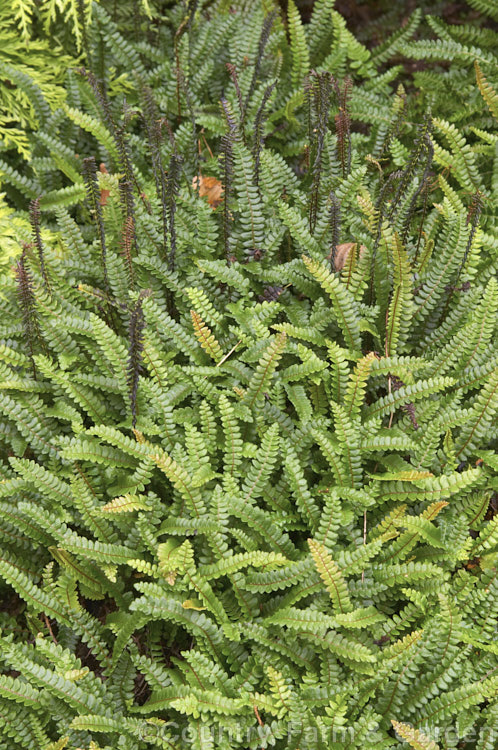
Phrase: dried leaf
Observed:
(342, 253)
(104, 194)
(210, 187)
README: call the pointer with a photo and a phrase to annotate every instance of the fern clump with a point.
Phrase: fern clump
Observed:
(248, 400)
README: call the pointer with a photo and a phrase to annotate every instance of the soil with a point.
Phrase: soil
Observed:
(360, 13)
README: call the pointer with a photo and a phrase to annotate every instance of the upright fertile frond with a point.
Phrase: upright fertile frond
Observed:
(127, 242)
(319, 91)
(172, 188)
(128, 231)
(34, 216)
(263, 41)
(259, 123)
(93, 198)
(421, 189)
(298, 546)
(473, 216)
(183, 84)
(101, 97)
(135, 351)
(227, 142)
(127, 199)
(122, 149)
(232, 70)
(398, 112)
(343, 124)
(150, 116)
(421, 144)
(27, 304)
(335, 226)
(125, 161)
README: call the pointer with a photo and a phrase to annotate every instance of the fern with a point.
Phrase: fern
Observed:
(298, 45)
(246, 494)
(487, 91)
(414, 737)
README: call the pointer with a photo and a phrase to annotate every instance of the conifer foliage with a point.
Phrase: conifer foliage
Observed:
(248, 493)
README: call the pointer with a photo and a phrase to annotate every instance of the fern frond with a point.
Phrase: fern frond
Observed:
(298, 45)
(343, 303)
(414, 737)
(205, 337)
(488, 93)
(331, 577)
(264, 371)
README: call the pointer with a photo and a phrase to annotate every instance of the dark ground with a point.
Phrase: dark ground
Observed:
(365, 13)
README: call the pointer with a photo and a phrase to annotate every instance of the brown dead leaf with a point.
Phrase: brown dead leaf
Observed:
(104, 194)
(342, 253)
(209, 187)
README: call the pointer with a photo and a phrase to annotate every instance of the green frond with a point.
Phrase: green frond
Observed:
(297, 480)
(331, 577)
(267, 365)
(355, 393)
(347, 430)
(485, 6)
(343, 303)
(262, 513)
(298, 46)
(488, 93)
(457, 700)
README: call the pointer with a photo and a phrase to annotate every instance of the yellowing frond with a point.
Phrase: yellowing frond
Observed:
(414, 737)
(205, 337)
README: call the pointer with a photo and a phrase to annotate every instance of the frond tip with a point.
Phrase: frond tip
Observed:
(488, 93)
(415, 738)
(205, 337)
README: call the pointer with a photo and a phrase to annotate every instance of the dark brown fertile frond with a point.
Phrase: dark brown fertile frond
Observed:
(127, 242)
(343, 125)
(259, 138)
(335, 226)
(321, 86)
(93, 197)
(263, 41)
(135, 350)
(473, 216)
(27, 305)
(34, 217)
(172, 188)
(235, 80)
(227, 141)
